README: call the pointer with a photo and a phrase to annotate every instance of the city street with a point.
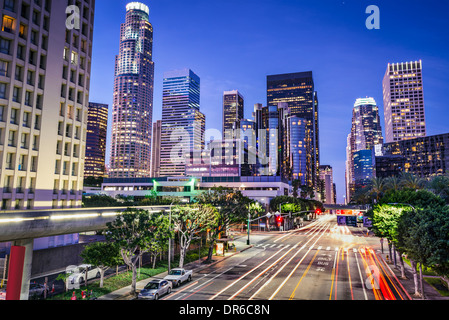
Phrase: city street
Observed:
(323, 261)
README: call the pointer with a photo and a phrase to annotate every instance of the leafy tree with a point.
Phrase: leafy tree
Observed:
(385, 219)
(99, 201)
(160, 233)
(103, 255)
(189, 221)
(131, 231)
(439, 185)
(231, 207)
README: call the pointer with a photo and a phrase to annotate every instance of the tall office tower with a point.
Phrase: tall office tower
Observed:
(97, 128)
(156, 152)
(327, 176)
(404, 101)
(294, 149)
(298, 90)
(233, 110)
(366, 133)
(44, 94)
(133, 97)
(183, 125)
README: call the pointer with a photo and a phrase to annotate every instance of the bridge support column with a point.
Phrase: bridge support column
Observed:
(27, 265)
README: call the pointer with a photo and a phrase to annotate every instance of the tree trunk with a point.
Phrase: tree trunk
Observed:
(102, 277)
(210, 254)
(403, 276)
(415, 278)
(134, 282)
(421, 280)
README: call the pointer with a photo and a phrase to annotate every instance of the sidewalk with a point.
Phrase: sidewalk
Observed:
(124, 293)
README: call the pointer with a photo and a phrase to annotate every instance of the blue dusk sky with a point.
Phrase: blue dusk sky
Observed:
(234, 45)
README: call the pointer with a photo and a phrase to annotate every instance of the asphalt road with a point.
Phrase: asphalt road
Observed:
(321, 262)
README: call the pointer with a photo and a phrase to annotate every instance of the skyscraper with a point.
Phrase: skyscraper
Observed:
(156, 152)
(44, 81)
(366, 133)
(97, 127)
(133, 96)
(298, 90)
(404, 101)
(183, 125)
(327, 177)
(233, 110)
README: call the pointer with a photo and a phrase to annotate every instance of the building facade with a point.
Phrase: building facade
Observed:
(97, 127)
(183, 125)
(233, 111)
(44, 93)
(156, 149)
(366, 134)
(298, 91)
(132, 116)
(261, 189)
(403, 94)
(327, 178)
(424, 157)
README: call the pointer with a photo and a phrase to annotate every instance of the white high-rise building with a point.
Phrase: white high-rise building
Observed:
(45, 62)
(404, 101)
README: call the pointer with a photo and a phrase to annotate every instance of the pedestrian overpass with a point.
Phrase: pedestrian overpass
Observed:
(22, 227)
(360, 208)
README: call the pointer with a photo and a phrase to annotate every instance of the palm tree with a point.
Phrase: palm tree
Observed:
(377, 188)
(393, 183)
(439, 185)
(410, 181)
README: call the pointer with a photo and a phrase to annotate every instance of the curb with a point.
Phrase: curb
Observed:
(123, 297)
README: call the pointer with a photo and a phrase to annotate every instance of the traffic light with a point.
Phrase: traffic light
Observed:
(318, 212)
(279, 221)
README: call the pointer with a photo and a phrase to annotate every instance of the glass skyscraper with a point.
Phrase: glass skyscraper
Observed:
(97, 127)
(233, 110)
(133, 97)
(366, 134)
(298, 91)
(183, 125)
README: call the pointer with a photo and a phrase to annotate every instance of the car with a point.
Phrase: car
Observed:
(178, 276)
(78, 274)
(36, 291)
(155, 289)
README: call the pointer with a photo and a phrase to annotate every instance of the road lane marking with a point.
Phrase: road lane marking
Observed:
(360, 273)
(297, 266)
(292, 296)
(246, 274)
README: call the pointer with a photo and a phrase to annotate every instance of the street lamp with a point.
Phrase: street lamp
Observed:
(268, 215)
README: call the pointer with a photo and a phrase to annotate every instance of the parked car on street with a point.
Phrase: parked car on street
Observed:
(36, 291)
(178, 276)
(155, 289)
(78, 274)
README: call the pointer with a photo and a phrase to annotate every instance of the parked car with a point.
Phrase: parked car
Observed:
(178, 276)
(36, 291)
(155, 289)
(78, 274)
